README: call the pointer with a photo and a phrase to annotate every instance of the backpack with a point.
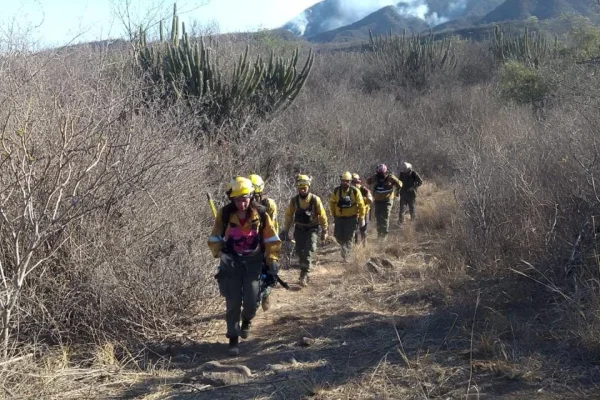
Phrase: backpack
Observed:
(338, 192)
(303, 212)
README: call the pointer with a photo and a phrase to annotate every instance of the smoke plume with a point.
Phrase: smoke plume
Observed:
(332, 14)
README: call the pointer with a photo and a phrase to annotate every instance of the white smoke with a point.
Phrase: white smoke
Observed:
(332, 14)
(457, 6)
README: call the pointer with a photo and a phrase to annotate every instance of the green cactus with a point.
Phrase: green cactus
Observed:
(413, 58)
(185, 69)
(530, 48)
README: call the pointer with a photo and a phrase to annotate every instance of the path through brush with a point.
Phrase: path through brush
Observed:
(378, 327)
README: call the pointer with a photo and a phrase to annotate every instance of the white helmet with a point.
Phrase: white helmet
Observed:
(406, 167)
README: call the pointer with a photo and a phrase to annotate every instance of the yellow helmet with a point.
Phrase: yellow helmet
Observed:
(257, 181)
(356, 178)
(303, 180)
(346, 176)
(241, 187)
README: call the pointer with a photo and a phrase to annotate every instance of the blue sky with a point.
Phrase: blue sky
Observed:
(58, 22)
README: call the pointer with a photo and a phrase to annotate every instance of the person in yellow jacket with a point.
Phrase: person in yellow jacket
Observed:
(307, 213)
(368, 198)
(244, 239)
(384, 186)
(348, 209)
(267, 202)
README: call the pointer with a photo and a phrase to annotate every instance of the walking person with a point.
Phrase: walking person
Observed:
(306, 212)
(384, 184)
(408, 194)
(244, 240)
(368, 199)
(271, 209)
(348, 209)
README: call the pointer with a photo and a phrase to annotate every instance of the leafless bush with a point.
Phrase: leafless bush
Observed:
(101, 232)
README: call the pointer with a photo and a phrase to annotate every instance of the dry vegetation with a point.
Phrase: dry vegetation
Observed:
(105, 275)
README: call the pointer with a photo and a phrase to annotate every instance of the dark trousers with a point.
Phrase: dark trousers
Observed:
(240, 285)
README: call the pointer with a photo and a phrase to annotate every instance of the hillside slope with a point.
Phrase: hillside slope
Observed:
(385, 20)
(541, 9)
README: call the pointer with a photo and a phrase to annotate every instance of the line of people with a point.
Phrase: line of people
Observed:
(246, 240)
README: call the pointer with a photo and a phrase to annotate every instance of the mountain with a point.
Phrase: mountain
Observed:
(380, 22)
(541, 9)
(329, 15)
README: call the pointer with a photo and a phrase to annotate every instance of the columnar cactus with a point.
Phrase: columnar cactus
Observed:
(529, 48)
(187, 69)
(414, 57)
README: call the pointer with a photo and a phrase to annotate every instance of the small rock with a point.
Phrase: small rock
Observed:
(306, 342)
(224, 378)
(276, 367)
(372, 267)
(217, 366)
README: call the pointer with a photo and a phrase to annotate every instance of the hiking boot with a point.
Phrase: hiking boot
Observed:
(266, 304)
(304, 281)
(245, 329)
(303, 278)
(234, 349)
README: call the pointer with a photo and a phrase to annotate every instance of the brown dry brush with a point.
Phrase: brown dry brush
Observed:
(101, 233)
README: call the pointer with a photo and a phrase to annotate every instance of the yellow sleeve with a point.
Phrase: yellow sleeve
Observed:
(272, 211)
(321, 214)
(370, 180)
(360, 204)
(397, 182)
(215, 240)
(333, 200)
(271, 241)
(289, 215)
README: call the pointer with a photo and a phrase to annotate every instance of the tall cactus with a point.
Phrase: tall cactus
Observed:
(414, 58)
(530, 48)
(186, 69)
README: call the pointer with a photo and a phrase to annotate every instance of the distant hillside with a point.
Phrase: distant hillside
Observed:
(462, 9)
(541, 9)
(380, 22)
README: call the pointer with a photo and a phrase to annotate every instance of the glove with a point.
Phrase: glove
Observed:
(226, 259)
(273, 269)
(362, 223)
(270, 280)
(283, 235)
(324, 235)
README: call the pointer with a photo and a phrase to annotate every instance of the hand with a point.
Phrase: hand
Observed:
(324, 236)
(226, 259)
(283, 236)
(270, 280)
(362, 223)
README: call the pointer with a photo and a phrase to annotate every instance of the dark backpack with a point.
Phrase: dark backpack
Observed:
(338, 192)
(300, 213)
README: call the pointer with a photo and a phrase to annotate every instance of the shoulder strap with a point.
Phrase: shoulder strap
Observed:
(227, 209)
(262, 213)
(297, 199)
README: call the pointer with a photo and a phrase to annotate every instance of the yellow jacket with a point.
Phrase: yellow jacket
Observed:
(246, 239)
(355, 205)
(271, 207)
(318, 217)
(383, 188)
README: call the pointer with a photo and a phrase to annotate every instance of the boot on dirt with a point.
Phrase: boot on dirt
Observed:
(245, 329)
(303, 279)
(234, 349)
(266, 303)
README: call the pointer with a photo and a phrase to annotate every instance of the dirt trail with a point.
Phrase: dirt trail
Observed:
(382, 329)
